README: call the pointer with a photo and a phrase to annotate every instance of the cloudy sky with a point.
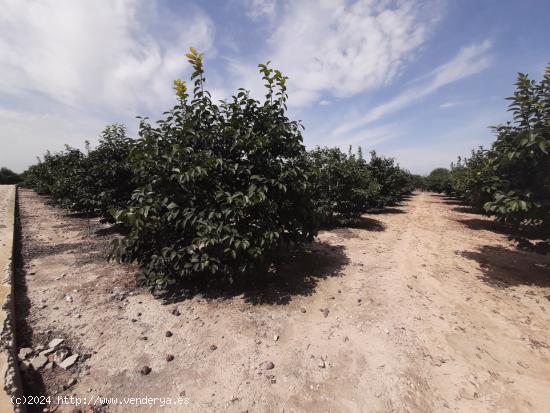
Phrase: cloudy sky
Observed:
(420, 81)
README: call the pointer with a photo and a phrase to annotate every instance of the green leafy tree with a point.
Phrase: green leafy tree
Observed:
(417, 182)
(8, 177)
(58, 175)
(511, 180)
(394, 182)
(106, 179)
(520, 159)
(343, 186)
(93, 182)
(222, 186)
(470, 177)
(439, 180)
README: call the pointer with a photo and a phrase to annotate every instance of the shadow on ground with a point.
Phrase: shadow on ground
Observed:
(504, 268)
(447, 199)
(406, 198)
(466, 210)
(526, 240)
(388, 210)
(299, 276)
(344, 229)
(369, 224)
(115, 229)
(478, 224)
(459, 205)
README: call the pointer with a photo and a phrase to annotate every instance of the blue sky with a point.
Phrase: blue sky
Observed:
(420, 81)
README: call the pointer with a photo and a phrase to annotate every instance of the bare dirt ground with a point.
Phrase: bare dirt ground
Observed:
(425, 307)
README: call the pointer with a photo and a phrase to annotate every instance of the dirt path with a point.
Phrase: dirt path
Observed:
(426, 307)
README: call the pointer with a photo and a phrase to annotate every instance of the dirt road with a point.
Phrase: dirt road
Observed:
(426, 307)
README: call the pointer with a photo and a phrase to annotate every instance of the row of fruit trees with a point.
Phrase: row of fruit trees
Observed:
(216, 189)
(511, 179)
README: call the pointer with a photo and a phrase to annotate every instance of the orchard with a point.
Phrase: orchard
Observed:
(216, 190)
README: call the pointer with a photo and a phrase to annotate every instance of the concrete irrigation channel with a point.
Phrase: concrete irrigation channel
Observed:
(9, 374)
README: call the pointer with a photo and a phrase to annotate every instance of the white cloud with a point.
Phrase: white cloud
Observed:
(26, 135)
(259, 9)
(96, 54)
(469, 61)
(343, 48)
(447, 105)
(367, 138)
(74, 64)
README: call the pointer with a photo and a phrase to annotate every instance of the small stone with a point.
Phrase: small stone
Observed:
(55, 342)
(69, 361)
(39, 361)
(145, 370)
(468, 394)
(169, 357)
(322, 364)
(213, 347)
(24, 353)
(275, 337)
(59, 355)
(303, 310)
(68, 298)
(325, 312)
(176, 312)
(359, 300)
(268, 365)
(70, 383)
(47, 351)
(168, 334)
(144, 338)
